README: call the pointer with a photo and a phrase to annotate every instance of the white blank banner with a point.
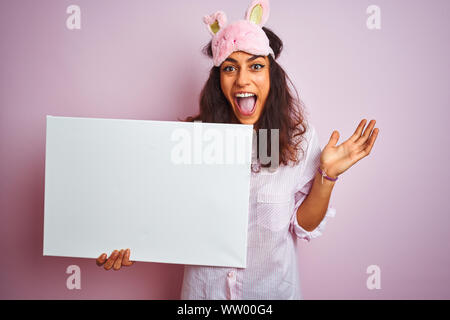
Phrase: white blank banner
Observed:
(112, 184)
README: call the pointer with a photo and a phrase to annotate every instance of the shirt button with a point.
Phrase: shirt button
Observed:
(230, 274)
(256, 167)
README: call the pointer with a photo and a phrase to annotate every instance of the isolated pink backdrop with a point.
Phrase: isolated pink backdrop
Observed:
(142, 60)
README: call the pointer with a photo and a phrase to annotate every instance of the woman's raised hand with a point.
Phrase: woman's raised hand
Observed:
(116, 260)
(337, 159)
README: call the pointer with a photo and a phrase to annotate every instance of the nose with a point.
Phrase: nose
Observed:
(243, 78)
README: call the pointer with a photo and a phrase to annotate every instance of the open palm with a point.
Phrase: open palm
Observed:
(337, 159)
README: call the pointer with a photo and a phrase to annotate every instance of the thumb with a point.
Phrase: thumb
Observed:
(333, 139)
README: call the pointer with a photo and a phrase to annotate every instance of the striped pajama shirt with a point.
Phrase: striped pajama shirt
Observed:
(272, 270)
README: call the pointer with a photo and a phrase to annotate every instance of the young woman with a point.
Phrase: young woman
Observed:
(246, 85)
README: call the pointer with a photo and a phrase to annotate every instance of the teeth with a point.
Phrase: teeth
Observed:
(244, 95)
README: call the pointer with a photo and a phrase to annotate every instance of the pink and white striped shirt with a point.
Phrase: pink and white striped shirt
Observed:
(272, 270)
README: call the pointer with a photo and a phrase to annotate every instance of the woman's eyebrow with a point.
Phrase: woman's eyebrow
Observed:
(248, 60)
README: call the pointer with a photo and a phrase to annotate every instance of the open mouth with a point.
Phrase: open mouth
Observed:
(247, 105)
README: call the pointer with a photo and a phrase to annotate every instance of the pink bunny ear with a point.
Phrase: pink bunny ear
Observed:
(258, 12)
(215, 22)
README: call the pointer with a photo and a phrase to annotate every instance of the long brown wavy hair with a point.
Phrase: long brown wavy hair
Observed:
(281, 111)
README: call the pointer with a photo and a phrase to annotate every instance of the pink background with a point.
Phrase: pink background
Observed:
(142, 60)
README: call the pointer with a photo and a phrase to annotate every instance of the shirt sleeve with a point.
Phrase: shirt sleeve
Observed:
(302, 189)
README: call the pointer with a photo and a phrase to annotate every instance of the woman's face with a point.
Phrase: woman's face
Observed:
(245, 82)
